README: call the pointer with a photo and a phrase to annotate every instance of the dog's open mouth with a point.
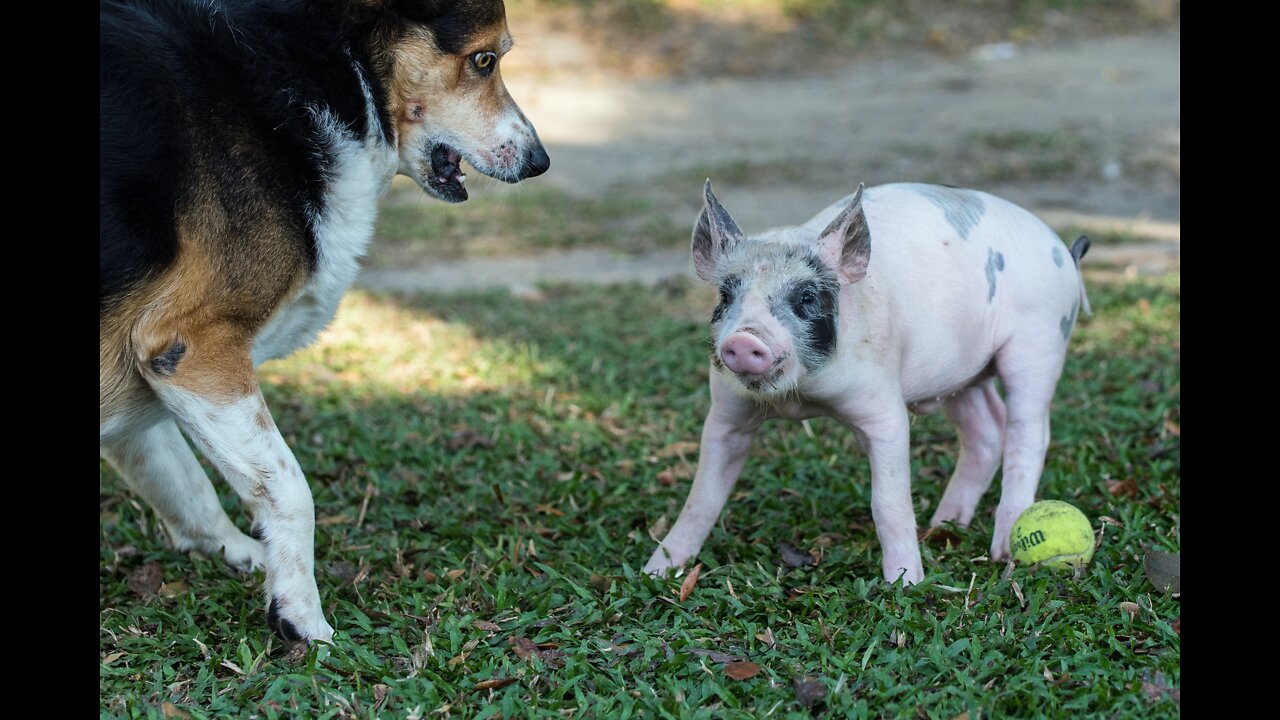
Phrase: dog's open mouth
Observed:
(445, 178)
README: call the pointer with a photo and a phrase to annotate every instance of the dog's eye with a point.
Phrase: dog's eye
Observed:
(484, 62)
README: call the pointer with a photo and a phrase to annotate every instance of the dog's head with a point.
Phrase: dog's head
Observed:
(441, 65)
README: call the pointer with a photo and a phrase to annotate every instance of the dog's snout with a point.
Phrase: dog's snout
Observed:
(535, 162)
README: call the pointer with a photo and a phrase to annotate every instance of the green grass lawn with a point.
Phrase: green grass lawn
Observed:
(487, 471)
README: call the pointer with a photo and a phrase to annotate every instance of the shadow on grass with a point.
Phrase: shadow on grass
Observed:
(488, 458)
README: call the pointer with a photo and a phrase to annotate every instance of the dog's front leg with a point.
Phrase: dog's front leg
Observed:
(205, 378)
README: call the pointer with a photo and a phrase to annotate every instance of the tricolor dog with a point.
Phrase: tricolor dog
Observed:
(244, 145)
(903, 298)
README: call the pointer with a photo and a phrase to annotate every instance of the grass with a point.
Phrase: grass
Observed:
(411, 226)
(486, 472)
(1024, 155)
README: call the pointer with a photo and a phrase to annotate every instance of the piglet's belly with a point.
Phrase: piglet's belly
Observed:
(935, 385)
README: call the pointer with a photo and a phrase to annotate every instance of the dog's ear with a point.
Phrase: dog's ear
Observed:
(714, 234)
(845, 246)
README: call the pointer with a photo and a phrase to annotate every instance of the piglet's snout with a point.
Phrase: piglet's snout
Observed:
(745, 354)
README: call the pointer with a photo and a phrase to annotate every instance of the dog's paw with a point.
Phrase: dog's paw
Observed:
(305, 628)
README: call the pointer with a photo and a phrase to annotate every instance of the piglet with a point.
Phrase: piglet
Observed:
(961, 288)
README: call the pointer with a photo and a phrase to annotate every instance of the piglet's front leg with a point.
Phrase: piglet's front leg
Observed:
(886, 439)
(726, 437)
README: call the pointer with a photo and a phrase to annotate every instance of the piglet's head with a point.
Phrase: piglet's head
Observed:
(777, 319)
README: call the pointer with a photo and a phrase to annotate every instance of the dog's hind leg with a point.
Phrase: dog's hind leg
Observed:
(158, 465)
(203, 374)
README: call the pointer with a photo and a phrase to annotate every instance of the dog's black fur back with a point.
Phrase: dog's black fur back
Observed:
(221, 89)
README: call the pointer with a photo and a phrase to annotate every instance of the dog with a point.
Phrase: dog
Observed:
(243, 147)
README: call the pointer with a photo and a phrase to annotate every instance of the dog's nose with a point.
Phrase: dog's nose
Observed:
(745, 354)
(535, 162)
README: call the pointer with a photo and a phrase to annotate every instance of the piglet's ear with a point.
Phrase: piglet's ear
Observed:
(714, 234)
(845, 246)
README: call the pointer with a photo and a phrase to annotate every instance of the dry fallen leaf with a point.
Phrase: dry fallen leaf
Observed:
(1177, 626)
(485, 625)
(690, 580)
(809, 690)
(677, 449)
(766, 637)
(1174, 428)
(339, 519)
(147, 579)
(962, 716)
(1132, 608)
(455, 574)
(112, 658)
(495, 683)
(794, 557)
(940, 536)
(659, 529)
(173, 711)
(172, 589)
(428, 576)
(1164, 571)
(743, 670)
(523, 647)
(666, 478)
(1123, 488)
(469, 439)
(1158, 687)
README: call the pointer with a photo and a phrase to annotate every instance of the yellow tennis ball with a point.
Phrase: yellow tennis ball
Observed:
(1052, 533)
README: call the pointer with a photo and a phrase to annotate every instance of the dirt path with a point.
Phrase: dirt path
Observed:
(1087, 136)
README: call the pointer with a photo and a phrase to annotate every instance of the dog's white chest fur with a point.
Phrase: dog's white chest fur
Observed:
(362, 172)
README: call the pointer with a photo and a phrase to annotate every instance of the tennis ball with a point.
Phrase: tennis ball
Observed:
(1052, 533)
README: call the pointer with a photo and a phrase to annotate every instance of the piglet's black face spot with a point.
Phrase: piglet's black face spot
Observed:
(729, 290)
(805, 302)
(808, 308)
